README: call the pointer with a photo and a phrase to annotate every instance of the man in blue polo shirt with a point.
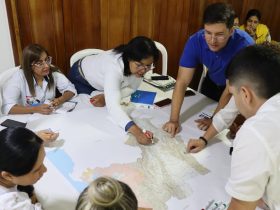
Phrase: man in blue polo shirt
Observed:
(214, 47)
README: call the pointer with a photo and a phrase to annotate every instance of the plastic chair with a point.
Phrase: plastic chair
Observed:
(5, 76)
(82, 53)
(163, 51)
(203, 75)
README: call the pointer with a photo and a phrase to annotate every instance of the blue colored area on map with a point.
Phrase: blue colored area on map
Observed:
(65, 165)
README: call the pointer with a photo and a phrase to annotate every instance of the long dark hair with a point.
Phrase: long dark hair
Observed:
(30, 55)
(19, 150)
(253, 12)
(137, 49)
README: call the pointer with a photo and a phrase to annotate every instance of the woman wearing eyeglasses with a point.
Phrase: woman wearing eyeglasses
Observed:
(32, 87)
(116, 73)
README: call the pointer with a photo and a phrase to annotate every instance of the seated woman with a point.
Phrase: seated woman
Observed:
(21, 165)
(236, 22)
(29, 88)
(259, 32)
(118, 73)
(107, 193)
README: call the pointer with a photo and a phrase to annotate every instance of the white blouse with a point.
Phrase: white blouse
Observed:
(16, 90)
(12, 199)
(105, 72)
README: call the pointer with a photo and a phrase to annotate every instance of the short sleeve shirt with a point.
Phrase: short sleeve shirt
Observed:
(196, 52)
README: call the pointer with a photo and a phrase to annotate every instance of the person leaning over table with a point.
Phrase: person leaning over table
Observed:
(213, 46)
(116, 73)
(255, 166)
(106, 193)
(259, 32)
(29, 88)
(21, 165)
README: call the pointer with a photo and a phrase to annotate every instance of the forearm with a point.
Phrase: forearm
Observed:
(177, 100)
(210, 133)
(242, 205)
(67, 95)
(19, 109)
(134, 130)
(225, 97)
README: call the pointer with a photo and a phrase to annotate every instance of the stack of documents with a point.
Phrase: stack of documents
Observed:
(164, 85)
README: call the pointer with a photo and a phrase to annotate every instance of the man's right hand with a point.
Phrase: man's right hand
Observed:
(195, 145)
(172, 127)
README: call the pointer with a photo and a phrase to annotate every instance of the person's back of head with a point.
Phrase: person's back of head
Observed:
(19, 149)
(259, 67)
(219, 13)
(106, 193)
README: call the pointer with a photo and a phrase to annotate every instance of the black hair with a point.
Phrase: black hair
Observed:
(253, 12)
(19, 150)
(258, 66)
(219, 13)
(137, 49)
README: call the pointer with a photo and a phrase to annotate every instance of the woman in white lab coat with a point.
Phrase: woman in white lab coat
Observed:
(32, 89)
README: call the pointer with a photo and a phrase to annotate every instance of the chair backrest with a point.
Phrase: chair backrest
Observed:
(5, 76)
(82, 53)
(203, 75)
(164, 55)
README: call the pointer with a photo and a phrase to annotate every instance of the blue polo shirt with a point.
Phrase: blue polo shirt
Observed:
(196, 52)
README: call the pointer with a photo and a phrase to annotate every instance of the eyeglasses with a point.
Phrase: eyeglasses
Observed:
(219, 37)
(40, 63)
(143, 66)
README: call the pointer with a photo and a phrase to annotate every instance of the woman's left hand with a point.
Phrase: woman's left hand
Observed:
(98, 100)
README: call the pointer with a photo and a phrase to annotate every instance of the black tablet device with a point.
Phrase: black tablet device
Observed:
(13, 123)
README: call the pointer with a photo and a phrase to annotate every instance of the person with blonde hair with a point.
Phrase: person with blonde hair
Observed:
(106, 193)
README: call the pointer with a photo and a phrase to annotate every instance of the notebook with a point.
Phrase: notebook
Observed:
(143, 97)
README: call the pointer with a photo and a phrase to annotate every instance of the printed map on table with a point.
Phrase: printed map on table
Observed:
(156, 173)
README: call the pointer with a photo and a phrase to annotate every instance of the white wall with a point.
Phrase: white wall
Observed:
(6, 50)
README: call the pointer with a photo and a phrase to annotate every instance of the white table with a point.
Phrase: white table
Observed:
(91, 127)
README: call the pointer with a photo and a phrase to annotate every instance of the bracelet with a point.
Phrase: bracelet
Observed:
(204, 140)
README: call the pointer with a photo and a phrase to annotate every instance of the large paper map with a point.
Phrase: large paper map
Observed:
(156, 173)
